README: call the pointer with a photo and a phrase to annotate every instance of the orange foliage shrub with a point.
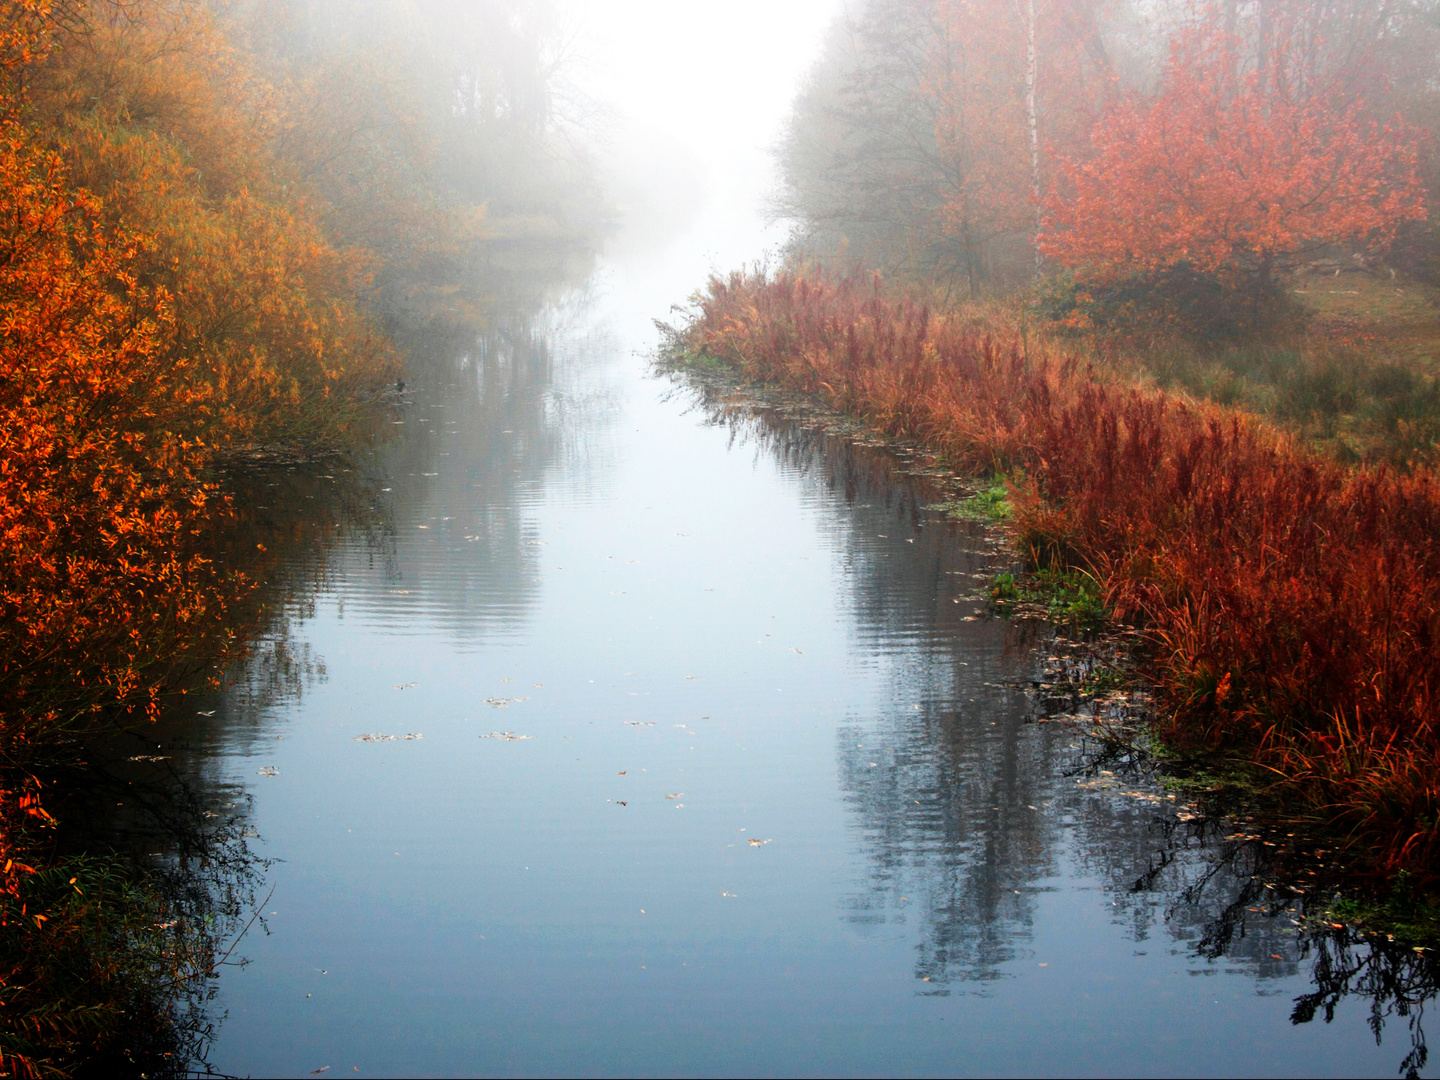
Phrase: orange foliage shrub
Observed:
(1226, 171)
(164, 295)
(169, 126)
(1294, 604)
(99, 456)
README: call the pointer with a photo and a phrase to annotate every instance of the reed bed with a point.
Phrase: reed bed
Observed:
(1292, 603)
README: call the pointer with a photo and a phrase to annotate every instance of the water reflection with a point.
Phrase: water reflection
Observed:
(706, 632)
(170, 872)
(490, 413)
(970, 812)
(461, 449)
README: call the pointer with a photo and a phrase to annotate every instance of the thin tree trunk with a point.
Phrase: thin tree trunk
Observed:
(1034, 122)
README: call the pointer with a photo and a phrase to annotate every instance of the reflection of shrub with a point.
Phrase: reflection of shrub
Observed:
(102, 965)
(1178, 299)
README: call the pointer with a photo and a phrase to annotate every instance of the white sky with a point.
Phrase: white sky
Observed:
(716, 76)
(697, 93)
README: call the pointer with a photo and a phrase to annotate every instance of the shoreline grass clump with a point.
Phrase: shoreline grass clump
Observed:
(1291, 603)
(990, 503)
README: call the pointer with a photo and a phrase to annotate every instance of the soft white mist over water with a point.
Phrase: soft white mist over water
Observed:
(694, 97)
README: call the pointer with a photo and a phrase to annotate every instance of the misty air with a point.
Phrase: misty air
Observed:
(648, 538)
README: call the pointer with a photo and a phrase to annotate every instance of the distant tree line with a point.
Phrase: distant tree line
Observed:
(973, 143)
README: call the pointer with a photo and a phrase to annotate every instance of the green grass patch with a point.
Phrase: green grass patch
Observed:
(1068, 596)
(990, 504)
(1404, 912)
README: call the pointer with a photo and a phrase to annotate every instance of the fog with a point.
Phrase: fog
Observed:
(686, 101)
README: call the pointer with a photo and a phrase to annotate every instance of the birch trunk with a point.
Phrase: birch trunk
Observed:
(1033, 121)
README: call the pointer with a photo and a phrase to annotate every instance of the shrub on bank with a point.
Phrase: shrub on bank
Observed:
(1293, 603)
(163, 298)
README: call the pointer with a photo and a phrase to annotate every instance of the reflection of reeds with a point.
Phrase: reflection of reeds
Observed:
(1295, 603)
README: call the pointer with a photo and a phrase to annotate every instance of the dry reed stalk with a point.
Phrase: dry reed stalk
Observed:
(1294, 603)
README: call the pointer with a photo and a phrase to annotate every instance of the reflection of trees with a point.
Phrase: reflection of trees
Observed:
(488, 416)
(967, 809)
(151, 808)
(1395, 980)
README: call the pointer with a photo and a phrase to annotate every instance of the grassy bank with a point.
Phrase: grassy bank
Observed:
(1352, 372)
(1291, 603)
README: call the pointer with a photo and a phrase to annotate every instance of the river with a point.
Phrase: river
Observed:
(718, 765)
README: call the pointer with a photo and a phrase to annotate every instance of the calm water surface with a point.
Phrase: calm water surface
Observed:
(766, 797)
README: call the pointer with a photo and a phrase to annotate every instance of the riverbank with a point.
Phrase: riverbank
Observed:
(213, 240)
(1289, 603)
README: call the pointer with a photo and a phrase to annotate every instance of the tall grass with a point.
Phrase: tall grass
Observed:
(1293, 602)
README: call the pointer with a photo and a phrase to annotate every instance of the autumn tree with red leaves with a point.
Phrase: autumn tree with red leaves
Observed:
(1233, 168)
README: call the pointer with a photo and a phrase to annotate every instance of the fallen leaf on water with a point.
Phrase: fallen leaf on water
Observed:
(1276, 956)
(621, 802)
(971, 618)
(677, 795)
(323, 1068)
(622, 772)
(795, 650)
(756, 843)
